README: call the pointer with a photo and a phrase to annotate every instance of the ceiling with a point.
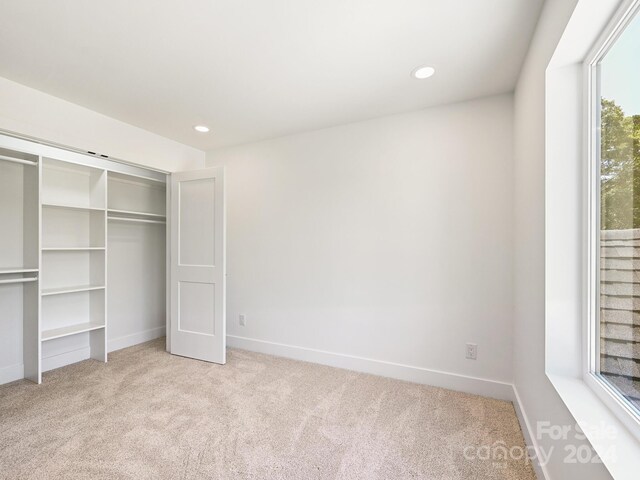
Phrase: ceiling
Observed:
(257, 69)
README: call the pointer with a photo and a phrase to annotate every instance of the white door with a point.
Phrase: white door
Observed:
(198, 265)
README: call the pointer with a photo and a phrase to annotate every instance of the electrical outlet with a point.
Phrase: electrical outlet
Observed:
(243, 320)
(472, 351)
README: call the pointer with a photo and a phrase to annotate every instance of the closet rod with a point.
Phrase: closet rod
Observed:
(137, 220)
(19, 280)
(17, 160)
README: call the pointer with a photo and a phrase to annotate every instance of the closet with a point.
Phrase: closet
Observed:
(136, 247)
(98, 255)
(82, 256)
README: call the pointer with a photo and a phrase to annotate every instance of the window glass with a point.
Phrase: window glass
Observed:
(619, 90)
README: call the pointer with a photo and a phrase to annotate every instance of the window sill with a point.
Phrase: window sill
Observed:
(620, 452)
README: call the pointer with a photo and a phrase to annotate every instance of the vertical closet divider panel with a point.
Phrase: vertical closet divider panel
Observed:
(98, 273)
(167, 206)
(31, 296)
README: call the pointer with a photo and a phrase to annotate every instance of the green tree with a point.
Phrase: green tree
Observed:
(619, 168)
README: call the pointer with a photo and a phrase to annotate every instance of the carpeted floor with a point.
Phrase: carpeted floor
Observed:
(150, 415)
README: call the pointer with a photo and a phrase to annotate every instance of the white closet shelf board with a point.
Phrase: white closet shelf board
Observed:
(72, 207)
(136, 220)
(130, 213)
(136, 217)
(71, 249)
(70, 330)
(72, 289)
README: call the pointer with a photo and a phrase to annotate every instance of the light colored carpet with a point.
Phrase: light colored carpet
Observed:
(150, 415)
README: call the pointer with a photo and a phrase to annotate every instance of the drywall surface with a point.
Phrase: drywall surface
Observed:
(388, 240)
(137, 283)
(538, 399)
(26, 111)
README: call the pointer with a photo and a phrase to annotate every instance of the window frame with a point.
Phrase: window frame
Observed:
(609, 395)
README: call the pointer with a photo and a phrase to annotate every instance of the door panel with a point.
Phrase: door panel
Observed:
(197, 219)
(198, 265)
(196, 306)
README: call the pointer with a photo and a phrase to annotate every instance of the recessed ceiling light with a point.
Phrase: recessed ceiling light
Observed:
(201, 128)
(423, 72)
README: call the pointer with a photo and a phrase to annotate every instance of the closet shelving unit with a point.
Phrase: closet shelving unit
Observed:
(56, 206)
(74, 230)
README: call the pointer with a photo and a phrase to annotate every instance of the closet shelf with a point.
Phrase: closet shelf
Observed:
(114, 212)
(18, 280)
(72, 207)
(71, 249)
(5, 271)
(70, 330)
(73, 289)
(136, 220)
(135, 216)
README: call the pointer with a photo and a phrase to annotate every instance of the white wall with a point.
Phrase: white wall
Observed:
(137, 283)
(389, 239)
(30, 112)
(538, 398)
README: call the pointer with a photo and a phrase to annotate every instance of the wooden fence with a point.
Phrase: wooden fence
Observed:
(620, 310)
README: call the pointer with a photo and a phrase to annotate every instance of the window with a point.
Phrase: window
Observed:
(614, 340)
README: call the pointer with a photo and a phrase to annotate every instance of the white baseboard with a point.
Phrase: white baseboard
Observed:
(135, 338)
(529, 436)
(67, 358)
(11, 373)
(16, 372)
(451, 381)
(74, 356)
